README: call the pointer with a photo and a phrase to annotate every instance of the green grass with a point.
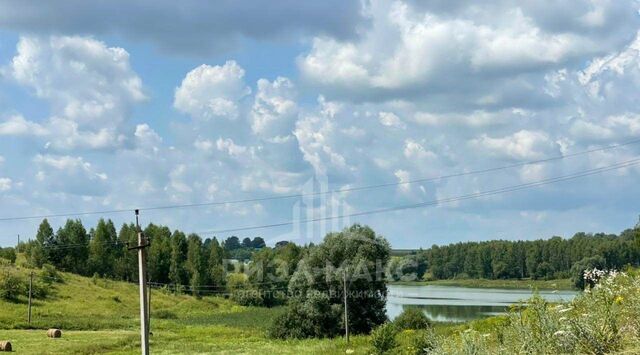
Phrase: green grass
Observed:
(103, 317)
(560, 284)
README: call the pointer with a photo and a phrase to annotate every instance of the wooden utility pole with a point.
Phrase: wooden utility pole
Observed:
(346, 308)
(142, 280)
(30, 294)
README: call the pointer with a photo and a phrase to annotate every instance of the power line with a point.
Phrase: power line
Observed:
(440, 201)
(342, 190)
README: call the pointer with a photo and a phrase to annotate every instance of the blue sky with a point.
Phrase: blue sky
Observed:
(123, 104)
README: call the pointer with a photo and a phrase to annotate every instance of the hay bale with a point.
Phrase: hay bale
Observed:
(5, 346)
(54, 333)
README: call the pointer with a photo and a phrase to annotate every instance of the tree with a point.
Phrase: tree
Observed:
(159, 252)
(246, 243)
(195, 264)
(232, 243)
(177, 272)
(39, 252)
(126, 267)
(101, 248)
(258, 243)
(356, 253)
(72, 259)
(216, 263)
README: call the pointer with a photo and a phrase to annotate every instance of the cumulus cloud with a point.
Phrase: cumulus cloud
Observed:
(191, 27)
(69, 174)
(390, 119)
(91, 89)
(274, 110)
(5, 184)
(208, 92)
(422, 50)
(522, 145)
(17, 125)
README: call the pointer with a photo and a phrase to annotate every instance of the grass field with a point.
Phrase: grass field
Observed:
(561, 284)
(101, 316)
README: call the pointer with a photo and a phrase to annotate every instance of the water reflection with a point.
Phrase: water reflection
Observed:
(461, 304)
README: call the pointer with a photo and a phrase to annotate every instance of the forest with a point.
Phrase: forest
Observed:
(552, 258)
(202, 266)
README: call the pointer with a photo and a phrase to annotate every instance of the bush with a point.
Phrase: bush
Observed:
(579, 267)
(8, 254)
(383, 338)
(11, 286)
(424, 342)
(49, 274)
(412, 318)
(312, 317)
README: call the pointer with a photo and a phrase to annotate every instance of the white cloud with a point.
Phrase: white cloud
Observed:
(390, 119)
(5, 184)
(522, 145)
(208, 92)
(227, 146)
(69, 174)
(274, 109)
(415, 150)
(403, 177)
(16, 125)
(90, 87)
(415, 49)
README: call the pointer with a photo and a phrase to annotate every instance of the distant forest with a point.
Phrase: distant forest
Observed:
(175, 258)
(539, 259)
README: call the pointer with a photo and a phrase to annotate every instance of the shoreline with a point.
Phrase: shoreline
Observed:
(559, 284)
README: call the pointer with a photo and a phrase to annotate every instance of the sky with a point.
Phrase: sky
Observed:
(118, 105)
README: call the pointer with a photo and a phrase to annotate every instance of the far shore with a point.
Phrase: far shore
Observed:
(559, 284)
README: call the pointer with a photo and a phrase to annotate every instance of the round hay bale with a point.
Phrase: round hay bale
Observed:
(54, 333)
(5, 346)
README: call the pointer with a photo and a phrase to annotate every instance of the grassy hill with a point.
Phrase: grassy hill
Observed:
(101, 316)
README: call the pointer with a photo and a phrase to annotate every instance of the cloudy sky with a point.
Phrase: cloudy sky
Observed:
(114, 105)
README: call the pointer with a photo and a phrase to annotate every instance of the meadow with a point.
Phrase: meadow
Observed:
(101, 316)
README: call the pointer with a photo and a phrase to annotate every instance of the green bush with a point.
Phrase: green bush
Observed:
(11, 286)
(412, 318)
(49, 274)
(8, 254)
(312, 317)
(383, 338)
(424, 342)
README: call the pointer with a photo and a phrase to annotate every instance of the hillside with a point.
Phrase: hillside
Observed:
(98, 315)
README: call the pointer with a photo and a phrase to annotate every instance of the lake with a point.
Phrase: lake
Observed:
(461, 304)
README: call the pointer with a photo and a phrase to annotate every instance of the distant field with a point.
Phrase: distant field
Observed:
(560, 284)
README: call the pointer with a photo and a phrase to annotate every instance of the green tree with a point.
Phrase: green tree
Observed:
(101, 248)
(195, 264)
(360, 256)
(73, 259)
(177, 272)
(216, 263)
(258, 243)
(40, 250)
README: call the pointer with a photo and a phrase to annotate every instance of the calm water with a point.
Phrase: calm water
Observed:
(461, 304)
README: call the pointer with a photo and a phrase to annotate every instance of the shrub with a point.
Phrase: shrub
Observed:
(383, 338)
(424, 342)
(40, 290)
(312, 316)
(579, 267)
(11, 286)
(8, 254)
(412, 318)
(49, 274)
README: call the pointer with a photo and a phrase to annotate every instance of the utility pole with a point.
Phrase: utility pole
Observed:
(346, 309)
(30, 293)
(142, 279)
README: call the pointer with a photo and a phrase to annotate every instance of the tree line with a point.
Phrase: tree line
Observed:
(538, 259)
(174, 258)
